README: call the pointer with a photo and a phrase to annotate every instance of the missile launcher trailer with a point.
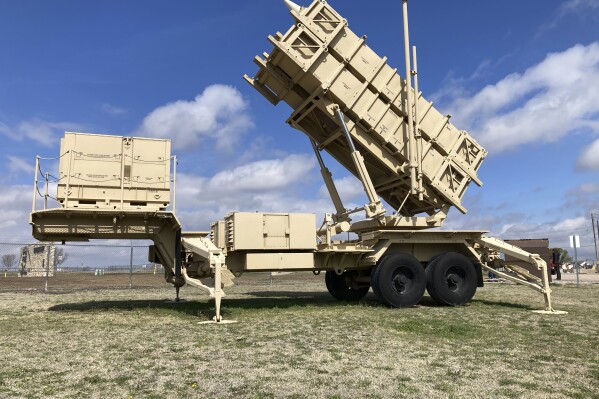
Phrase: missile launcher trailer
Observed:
(351, 104)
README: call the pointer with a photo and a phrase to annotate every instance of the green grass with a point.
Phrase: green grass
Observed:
(292, 340)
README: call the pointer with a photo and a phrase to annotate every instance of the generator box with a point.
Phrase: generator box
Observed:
(258, 231)
(114, 172)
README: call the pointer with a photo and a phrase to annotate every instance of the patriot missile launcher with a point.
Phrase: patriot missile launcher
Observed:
(350, 103)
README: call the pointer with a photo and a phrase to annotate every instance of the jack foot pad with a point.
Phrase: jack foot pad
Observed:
(218, 322)
(555, 312)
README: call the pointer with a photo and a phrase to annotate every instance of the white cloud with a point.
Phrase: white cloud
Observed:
(16, 204)
(569, 6)
(583, 198)
(589, 159)
(266, 185)
(454, 86)
(278, 185)
(113, 110)
(219, 113)
(543, 104)
(570, 224)
(40, 131)
(557, 232)
(349, 188)
(17, 165)
(254, 178)
(588, 188)
(582, 8)
(263, 175)
(4, 129)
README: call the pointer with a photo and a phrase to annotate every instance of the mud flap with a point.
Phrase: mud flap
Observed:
(479, 275)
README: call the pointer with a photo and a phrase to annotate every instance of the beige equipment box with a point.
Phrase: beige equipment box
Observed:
(257, 241)
(257, 231)
(319, 62)
(114, 172)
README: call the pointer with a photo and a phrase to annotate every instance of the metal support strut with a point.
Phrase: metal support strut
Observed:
(533, 259)
(206, 250)
(374, 209)
(327, 176)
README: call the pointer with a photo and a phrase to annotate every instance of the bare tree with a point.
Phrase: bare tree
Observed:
(8, 261)
(60, 255)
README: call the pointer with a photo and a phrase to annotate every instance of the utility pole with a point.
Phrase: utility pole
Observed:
(593, 217)
(575, 243)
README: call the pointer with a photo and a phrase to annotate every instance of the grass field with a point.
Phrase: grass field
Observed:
(67, 281)
(291, 340)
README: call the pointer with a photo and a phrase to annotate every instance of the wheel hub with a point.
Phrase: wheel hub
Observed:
(454, 279)
(401, 281)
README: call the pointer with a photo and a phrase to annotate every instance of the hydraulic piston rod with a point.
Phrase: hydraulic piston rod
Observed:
(374, 208)
(330, 185)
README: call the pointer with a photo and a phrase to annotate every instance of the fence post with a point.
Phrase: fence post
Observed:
(48, 248)
(131, 268)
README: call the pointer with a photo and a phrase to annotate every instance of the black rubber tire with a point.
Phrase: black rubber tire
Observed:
(339, 286)
(374, 279)
(400, 280)
(451, 279)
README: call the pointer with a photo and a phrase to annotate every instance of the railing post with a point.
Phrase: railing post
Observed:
(66, 194)
(37, 166)
(174, 183)
(46, 192)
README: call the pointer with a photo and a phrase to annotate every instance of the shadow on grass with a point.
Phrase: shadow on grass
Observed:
(191, 307)
(502, 304)
(255, 301)
(270, 300)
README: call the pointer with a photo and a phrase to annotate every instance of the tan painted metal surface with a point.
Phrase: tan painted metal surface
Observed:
(88, 224)
(258, 231)
(519, 253)
(114, 172)
(320, 63)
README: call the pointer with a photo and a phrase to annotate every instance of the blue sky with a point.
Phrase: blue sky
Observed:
(521, 77)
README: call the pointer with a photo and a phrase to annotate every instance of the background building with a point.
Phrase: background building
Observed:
(36, 260)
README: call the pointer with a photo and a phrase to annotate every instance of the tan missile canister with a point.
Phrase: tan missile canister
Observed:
(318, 63)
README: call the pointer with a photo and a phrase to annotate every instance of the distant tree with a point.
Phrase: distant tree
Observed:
(60, 256)
(8, 261)
(564, 256)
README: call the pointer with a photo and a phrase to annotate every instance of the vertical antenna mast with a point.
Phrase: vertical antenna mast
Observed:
(417, 135)
(411, 138)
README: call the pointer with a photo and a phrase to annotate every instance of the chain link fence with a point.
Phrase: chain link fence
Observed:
(55, 267)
